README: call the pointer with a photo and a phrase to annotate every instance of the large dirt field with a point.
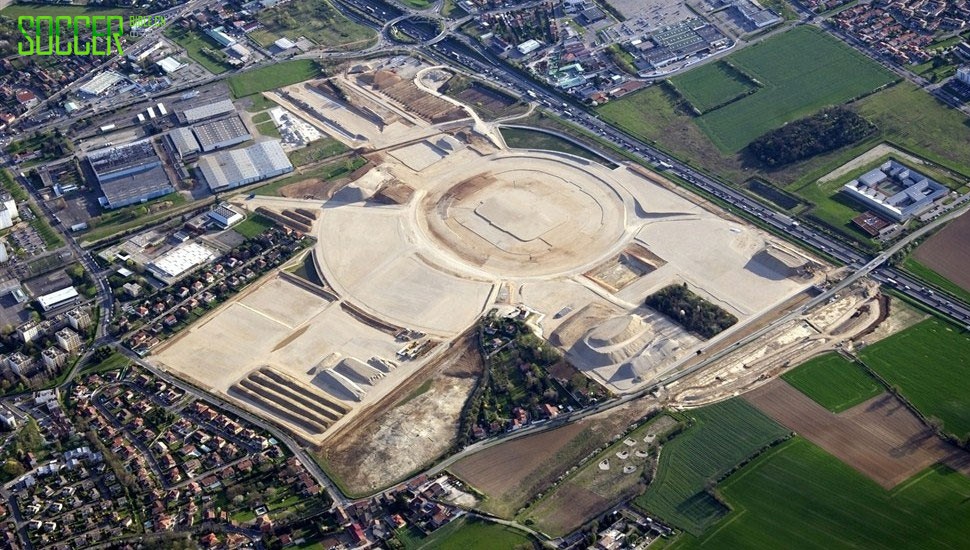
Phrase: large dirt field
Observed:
(512, 473)
(948, 252)
(607, 478)
(879, 437)
(382, 448)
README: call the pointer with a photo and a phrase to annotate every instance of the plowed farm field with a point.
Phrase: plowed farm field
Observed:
(948, 252)
(880, 438)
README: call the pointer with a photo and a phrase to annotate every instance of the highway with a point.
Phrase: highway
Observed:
(468, 57)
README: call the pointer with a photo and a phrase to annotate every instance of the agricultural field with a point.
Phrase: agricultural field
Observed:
(798, 496)
(802, 71)
(512, 473)
(711, 85)
(722, 436)
(518, 138)
(944, 259)
(467, 533)
(833, 382)
(316, 20)
(273, 76)
(928, 363)
(619, 472)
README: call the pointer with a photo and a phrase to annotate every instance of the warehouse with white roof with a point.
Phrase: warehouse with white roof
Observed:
(179, 261)
(229, 169)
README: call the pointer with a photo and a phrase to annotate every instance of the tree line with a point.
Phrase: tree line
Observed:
(825, 131)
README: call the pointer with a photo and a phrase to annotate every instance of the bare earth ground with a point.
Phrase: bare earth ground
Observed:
(386, 446)
(880, 438)
(948, 252)
(512, 473)
(901, 317)
(592, 490)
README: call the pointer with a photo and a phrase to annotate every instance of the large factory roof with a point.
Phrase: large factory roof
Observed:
(122, 158)
(221, 133)
(208, 110)
(237, 167)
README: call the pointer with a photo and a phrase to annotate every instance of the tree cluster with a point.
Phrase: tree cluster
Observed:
(691, 311)
(822, 132)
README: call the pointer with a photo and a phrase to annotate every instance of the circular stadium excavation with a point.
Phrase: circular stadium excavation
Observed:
(443, 224)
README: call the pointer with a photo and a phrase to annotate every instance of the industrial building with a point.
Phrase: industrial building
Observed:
(895, 191)
(179, 261)
(129, 174)
(58, 298)
(182, 144)
(101, 83)
(229, 169)
(222, 133)
(225, 215)
(207, 111)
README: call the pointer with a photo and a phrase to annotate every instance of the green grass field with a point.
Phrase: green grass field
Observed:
(517, 138)
(724, 435)
(315, 152)
(798, 496)
(802, 70)
(252, 226)
(317, 20)
(915, 120)
(833, 382)
(468, 534)
(329, 171)
(928, 362)
(197, 45)
(710, 85)
(914, 266)
(273, 76)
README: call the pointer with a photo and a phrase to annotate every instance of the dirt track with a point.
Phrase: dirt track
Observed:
(881, 438)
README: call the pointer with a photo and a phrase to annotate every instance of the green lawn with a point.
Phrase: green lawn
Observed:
(798, 496)
(914, 266)
(252, 226)
(929, 363)
(802, 70)
(256, 102)
(472, 534)
(328, 171)
(710, 85)
(316, 20)
(273, 76)
(915, 120)
(113, 362)
(269, 129)
(261, 118)
(723, 435)
(517, 138)
(318, 150)
(833, 382)
(202, 49)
